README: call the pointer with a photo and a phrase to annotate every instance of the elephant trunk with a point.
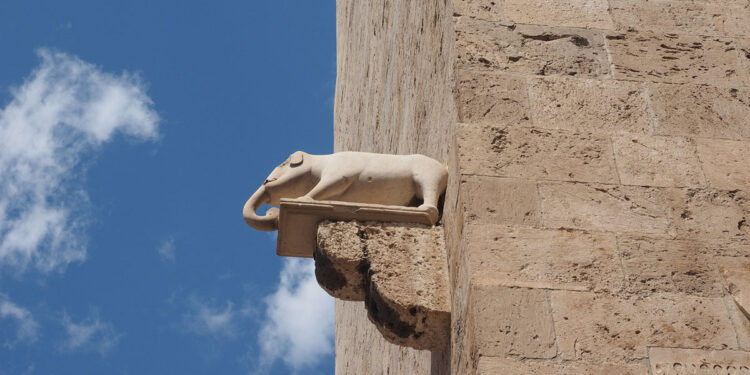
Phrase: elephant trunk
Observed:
(266, 223)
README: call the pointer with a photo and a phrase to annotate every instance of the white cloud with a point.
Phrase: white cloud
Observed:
(89, 335)
(27, 329)
(64, 109)
(298, 328)
(209, 320)
(166, 250)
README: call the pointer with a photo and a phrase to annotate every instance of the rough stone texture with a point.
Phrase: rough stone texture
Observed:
(657, 161)
(587, 105)
(530, 49)
(704, 213)
(496, 200)
(498, 365)
(479, 94)
(398, 270)
(490, 10)
(726, 163)
(574, 13)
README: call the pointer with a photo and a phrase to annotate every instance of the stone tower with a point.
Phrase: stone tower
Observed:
(596, 215)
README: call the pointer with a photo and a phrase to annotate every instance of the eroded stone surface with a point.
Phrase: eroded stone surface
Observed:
(620, 329)
(538, 258)
(573, 13)
(657, 161)
(495, 200)
(736, 275)
(726, 163)
(499, 365)
(530, 49)
(676, 361)
(586, 105)
(675, 58)
(604, 207)
(494, 99)
(701, 213)
(701, 110)
(535, 153)
(490, 10)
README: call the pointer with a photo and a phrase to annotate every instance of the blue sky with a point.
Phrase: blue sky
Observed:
(131, 133)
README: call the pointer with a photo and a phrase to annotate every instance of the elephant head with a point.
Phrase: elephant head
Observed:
(291, 179)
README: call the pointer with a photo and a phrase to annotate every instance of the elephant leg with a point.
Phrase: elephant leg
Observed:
(328, 188)
(430, 203)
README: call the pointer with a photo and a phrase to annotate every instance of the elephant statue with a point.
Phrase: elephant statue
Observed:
(359, 177)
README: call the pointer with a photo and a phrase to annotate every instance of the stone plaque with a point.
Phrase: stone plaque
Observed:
(672, 361)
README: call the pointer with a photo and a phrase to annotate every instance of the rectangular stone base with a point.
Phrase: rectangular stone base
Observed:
(298, 221)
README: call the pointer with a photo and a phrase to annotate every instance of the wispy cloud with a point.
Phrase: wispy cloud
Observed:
(89, 335)
(26, 328)
(64, 109)
(166, 250)
(298, 327)
(211, 320)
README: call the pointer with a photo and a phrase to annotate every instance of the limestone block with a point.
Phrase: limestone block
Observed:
(530, 49)
(617, 329)
(657, 161)
(656, 265)
(538, 258)
(490, 10)
(512, 322)
(605, 207)
(736, 275)
(535, 154)
(681, 17)
(700, 213)
(675, 361)
(725, 163)
(744, 54)
(701, 110)
(573, 13)
(587, 105)
(499, 365)
(495, 200)
(494, 99)
(675, 58)
(740, 322)
(402, 277)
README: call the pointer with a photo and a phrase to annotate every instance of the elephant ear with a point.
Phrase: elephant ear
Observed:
(296, 158)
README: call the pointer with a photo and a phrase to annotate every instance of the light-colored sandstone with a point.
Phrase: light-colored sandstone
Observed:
(675, 361)
(512, 322)
(726, 163)
(494, 200)
(493, 99)
(603, 328)
(499, 365)
(657, 57)
(705, 213)
(736, 275)
(587, 105)
(490, 10)
(573, 13)
(657, 161)
(530, 49)
(605, 207)
(535, 154)
(701, 110)
(538, 258)
(657, 265)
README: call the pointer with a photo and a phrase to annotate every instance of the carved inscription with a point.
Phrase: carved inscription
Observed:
(671, 361)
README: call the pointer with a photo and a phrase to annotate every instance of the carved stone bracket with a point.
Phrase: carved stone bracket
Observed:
(398, 269)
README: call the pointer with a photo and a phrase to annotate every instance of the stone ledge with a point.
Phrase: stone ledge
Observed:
(398, 269)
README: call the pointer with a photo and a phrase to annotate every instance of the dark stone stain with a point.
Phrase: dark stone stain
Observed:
(382, 314)
(326, 274)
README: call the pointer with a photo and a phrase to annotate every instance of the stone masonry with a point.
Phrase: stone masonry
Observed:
(600, 181)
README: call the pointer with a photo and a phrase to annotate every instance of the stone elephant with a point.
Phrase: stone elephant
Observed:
(359, 177)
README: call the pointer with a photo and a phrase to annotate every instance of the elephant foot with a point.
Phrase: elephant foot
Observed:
(432, 211)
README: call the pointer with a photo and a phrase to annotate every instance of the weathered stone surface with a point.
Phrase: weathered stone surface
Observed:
(587, 105)
(740, 322)
(512, 321)
(701, 213)
(675, 58)
(675, 361)
(744, 53)
(535, 154)
(490, 10)
(538, 258)
(499, 200)
(726, 163)
(573, 13)
(604, 207)
(657, 161)
(494, 99)
(701, 110)
(656, 265)
(402, 277)
(499, 365)
(530, 49)
(681, 17)
(736, 275)
(620, 329)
